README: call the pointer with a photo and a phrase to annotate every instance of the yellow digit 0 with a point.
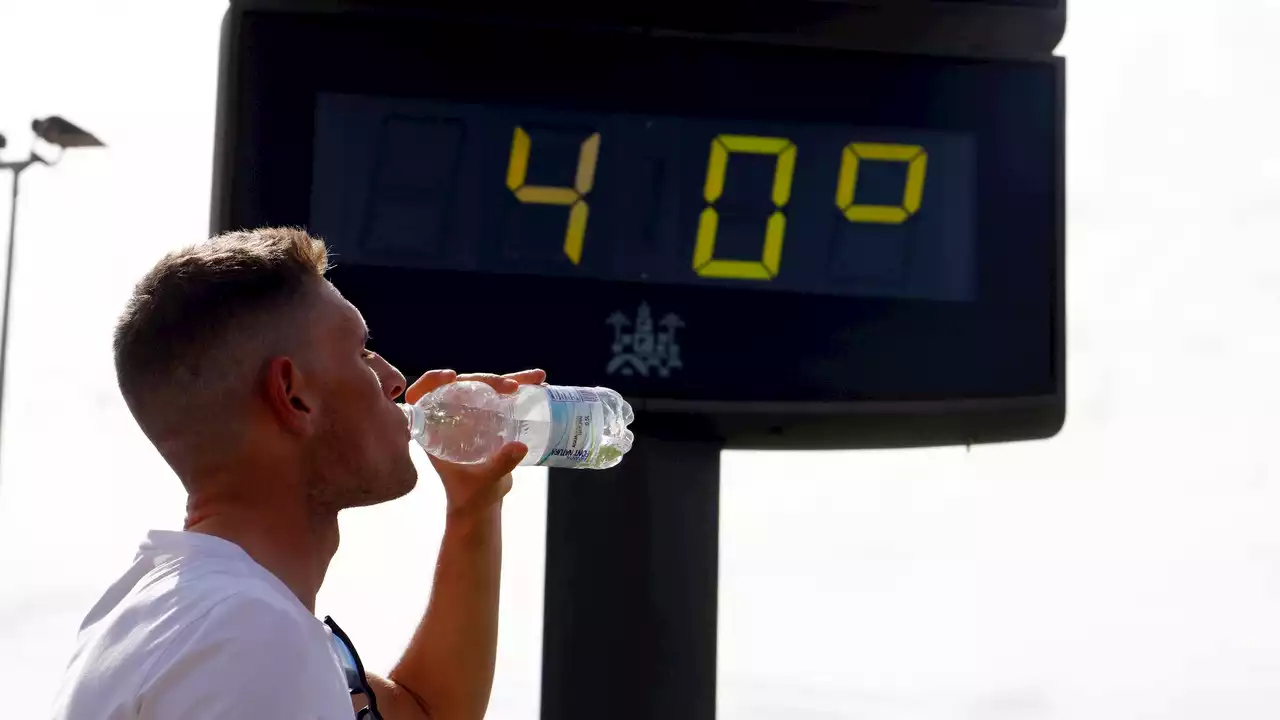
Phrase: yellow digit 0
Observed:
(704, 248)
(917, 161)
(574, 197)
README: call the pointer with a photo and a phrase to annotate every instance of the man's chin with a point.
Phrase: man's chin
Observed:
(402, 485)
(399, 486)
(409, 483)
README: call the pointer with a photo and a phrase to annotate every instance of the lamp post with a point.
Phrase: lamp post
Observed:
(61, 134)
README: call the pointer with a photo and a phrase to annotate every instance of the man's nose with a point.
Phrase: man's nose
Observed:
(393, 382)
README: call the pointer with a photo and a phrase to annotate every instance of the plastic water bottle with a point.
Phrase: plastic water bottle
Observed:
(564, 427)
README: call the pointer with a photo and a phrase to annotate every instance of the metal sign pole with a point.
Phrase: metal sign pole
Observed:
(629, 628)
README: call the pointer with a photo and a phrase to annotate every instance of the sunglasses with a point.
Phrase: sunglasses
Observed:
(354, 670)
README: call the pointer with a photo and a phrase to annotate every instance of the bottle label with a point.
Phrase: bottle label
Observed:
(577, 423)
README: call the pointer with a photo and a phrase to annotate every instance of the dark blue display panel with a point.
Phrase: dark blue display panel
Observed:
(884, 266)
(802, 207)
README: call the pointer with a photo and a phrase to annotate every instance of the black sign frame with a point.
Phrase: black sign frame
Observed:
(763, 425)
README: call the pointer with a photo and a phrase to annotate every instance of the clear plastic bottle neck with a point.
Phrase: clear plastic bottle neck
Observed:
(417, 419)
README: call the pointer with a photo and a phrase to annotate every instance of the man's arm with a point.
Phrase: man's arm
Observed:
(446, 673)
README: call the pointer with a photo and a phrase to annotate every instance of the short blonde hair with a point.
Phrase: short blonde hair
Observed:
(188, 305)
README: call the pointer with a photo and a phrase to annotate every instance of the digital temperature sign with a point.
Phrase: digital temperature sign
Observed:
(758, 243)
(799, 207)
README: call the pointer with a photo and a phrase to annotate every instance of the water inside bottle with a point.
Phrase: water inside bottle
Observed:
(469, 422)
(463, 433)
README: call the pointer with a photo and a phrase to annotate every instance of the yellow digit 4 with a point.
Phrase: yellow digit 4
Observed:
(704, 247)
(574, 197)
(917, 161)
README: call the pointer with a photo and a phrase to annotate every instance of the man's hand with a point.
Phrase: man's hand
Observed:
(470, 489)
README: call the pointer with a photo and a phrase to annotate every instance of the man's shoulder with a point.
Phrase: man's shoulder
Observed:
(175, 596)
(170, 617)
(233, 655)
(251, 622)
(248, 655)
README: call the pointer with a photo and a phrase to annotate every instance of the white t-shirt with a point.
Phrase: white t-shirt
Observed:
(199, 631)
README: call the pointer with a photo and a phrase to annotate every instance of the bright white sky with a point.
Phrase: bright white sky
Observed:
(1129, 568)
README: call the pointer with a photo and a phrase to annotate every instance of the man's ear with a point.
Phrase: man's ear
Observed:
(288, 396)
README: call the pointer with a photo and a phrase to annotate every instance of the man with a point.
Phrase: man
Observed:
(250, 374)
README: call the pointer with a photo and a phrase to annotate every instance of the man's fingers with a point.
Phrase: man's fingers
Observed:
(528, 377)
(508, 382)
(497, 382)
(506, 459)
(502, 383)
(429, 381)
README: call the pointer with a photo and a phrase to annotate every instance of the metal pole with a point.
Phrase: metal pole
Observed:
(629, 629)
(17, 169)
